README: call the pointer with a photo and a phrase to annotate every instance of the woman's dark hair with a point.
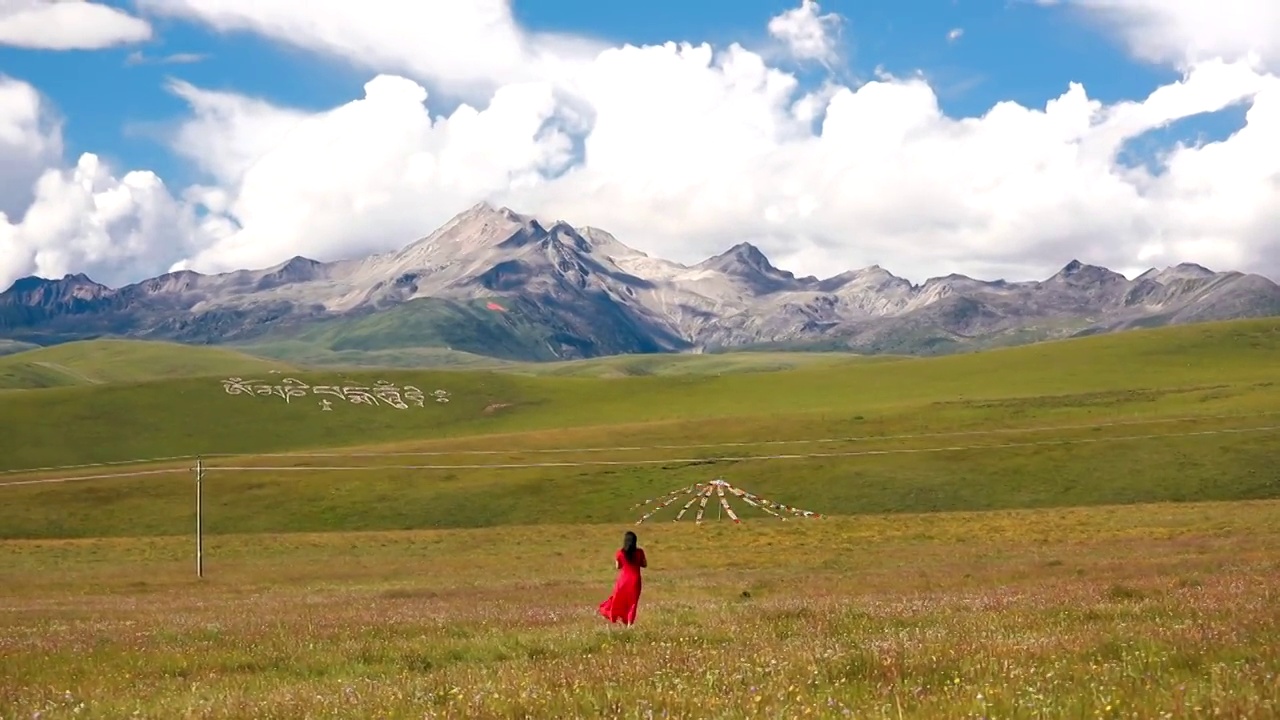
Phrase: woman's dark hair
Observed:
(629, 545)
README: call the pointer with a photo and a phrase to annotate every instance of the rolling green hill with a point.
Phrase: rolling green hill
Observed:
(319, 355)
(121, 360)
(8, 347)
(106, 361)
(426, 328)
(694, 364)
(96, 362)
(194, 414)
(1183, 413)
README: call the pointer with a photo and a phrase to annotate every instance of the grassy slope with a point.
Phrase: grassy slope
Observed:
(123, 360)
(302, 353)
(1144, 378)
(156, 418)
(426, 327)
(8, 347)
(689, 364)
(96, 362)
(311, 355)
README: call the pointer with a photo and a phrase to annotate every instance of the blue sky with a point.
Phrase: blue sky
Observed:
(1009, 50)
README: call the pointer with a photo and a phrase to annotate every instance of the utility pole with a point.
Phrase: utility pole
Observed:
(199, 517)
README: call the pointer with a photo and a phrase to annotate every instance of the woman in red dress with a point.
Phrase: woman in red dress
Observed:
(621, 605)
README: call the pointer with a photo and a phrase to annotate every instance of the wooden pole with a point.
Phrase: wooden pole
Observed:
(199, 518)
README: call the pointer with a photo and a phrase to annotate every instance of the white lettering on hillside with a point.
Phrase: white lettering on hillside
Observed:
(381, 394)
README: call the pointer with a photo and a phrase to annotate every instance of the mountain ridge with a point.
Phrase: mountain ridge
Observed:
(548, 290)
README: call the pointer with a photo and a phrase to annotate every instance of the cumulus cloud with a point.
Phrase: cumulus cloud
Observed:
(68, 25)
(369, 175)
(227, 133)
(685, 151)
(807, 33)
(460, 46)
(1184, 32)
(56, 220)
(681, 151)
(84, 219)
(30, 141)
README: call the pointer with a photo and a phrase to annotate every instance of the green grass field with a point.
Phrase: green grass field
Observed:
(689, 364)
(97, 362)
(8, 347)
(455, 331)
(1138, 612)
(300, 354)
(305, 354)
(24, 366)
(1084, 528)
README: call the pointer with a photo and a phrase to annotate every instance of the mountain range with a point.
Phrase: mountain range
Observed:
(494, 282)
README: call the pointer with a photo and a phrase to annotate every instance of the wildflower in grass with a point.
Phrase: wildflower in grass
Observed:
(470, 643)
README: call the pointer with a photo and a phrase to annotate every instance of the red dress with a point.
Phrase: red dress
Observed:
(621, 605)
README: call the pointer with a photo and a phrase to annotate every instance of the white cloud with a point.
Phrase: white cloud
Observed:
(687, 152)
(459, 45)
(369, 175)
(137, 57)
(682, 151)
(955, 34)
(86, 220)
(228, 133)
(807, 33)
(55, 221)
(30, 141)
(1183, 32)
(68, 25)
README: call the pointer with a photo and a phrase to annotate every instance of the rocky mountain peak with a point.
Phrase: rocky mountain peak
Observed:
(297, 269)
(746, 262)
(743, 260)
(1076, 273)
(479, 229)
(607, 244)
(1181, 271)
(871, 276)
(568, 236)
(34, 290)
(485, 212)
(588, 293)
(741, 256)
(174, 282)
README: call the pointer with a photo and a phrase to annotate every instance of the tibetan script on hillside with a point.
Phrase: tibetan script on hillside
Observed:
(379, 394)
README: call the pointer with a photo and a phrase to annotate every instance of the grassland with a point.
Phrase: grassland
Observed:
(8, 347)
(1216, 367)
(1087, 528)
(96, 362)
(422, 327)
(24, 366)
(1140, 612)
(1159, 416)
(694, 364)
(307, 354)
(302, 354)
